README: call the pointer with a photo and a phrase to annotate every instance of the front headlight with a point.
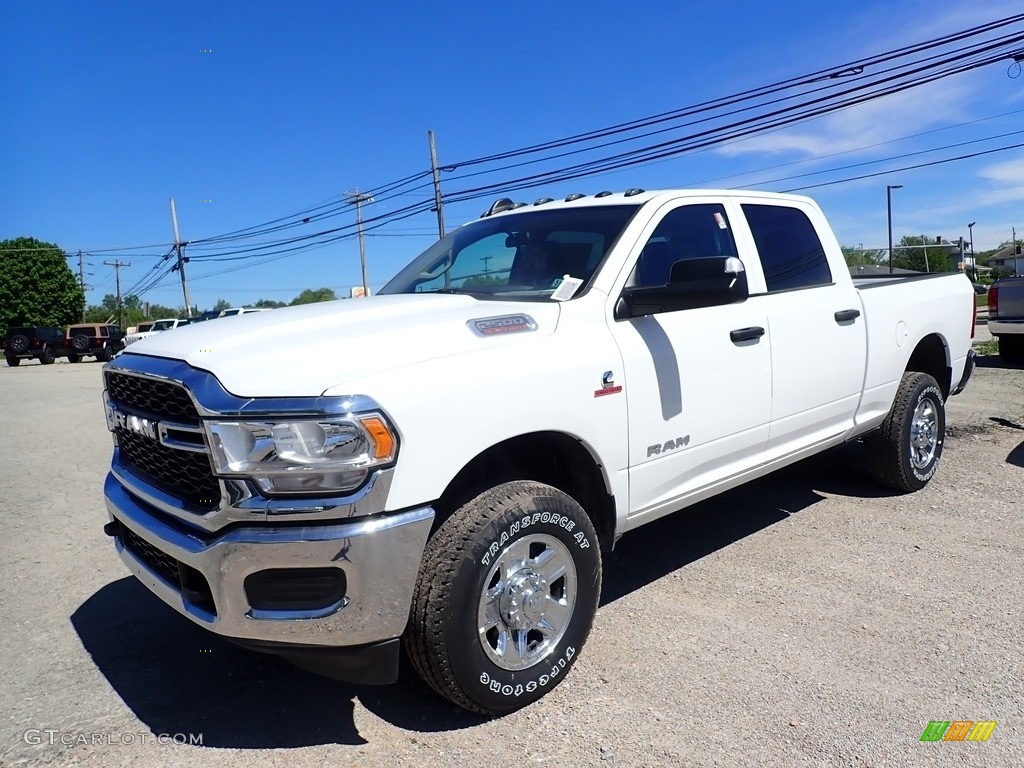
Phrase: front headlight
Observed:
(311, 456)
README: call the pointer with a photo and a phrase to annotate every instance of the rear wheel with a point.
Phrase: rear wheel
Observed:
(104, 355)
(13, 361)
(505, 598)
(905, 452)
(73, 358)
(1011, 349)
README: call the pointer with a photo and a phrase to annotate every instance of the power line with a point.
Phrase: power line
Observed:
(907, 168)
(828, 78)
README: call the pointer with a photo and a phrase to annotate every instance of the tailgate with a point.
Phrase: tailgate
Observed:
(1010, 302)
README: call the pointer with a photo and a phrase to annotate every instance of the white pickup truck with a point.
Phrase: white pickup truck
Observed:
(442, 465)
(1006, 317)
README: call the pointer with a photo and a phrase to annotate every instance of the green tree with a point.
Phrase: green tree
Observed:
(221, 305)
(922, 256)
(37, 287)
(270, 303)
(311, 296)
(157, 311)
(861, 256)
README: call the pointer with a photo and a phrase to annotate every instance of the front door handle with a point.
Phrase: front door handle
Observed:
(746, 334)
(845, 315)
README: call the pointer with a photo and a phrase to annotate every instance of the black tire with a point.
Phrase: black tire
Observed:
(104, 355)
(73, 358)
(533, 530)
(46, 357)
(80, 343)
(13, 361)
(1011, 349)
(904, 454)
(18, 343)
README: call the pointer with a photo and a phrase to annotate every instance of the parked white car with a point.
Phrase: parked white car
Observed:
(157, 326)
(232, 311)
(443, 464)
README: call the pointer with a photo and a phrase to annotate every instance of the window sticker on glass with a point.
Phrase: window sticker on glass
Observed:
(721, 221)
(567, 288)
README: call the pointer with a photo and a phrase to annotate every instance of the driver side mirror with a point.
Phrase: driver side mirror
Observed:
(693, 283)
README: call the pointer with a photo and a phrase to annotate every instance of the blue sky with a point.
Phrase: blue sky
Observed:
(246, 112)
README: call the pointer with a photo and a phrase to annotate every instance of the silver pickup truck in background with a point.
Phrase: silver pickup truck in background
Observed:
(1006, 317)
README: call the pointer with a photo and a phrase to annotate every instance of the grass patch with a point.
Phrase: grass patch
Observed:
(990, 347)
(981, 300)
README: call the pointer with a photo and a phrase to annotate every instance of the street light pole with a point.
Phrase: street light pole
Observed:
(974, 264)
(888, 206)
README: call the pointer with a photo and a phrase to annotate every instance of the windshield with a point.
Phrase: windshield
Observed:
(144, 327)
(162, 325)
(524, 255)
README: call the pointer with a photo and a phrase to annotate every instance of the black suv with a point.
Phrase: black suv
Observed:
(99, 339)
(24, 343)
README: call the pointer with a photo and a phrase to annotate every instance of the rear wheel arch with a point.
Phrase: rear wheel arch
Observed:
(931, 356)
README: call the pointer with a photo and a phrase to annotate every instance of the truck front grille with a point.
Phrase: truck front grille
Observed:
(186, 475)
(159, 400)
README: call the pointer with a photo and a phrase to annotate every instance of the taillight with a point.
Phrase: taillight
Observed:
(993, 300)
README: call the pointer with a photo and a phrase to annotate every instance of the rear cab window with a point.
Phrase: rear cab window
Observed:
(791, 253)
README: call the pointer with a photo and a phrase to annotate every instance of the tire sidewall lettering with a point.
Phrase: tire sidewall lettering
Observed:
(531, 521)
(930, 392)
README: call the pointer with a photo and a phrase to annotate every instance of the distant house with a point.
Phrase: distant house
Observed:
(1009, 258)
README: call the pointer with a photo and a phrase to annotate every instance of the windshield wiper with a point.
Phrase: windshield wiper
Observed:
(462, 291)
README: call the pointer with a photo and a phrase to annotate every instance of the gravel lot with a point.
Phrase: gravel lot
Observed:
(808, 619)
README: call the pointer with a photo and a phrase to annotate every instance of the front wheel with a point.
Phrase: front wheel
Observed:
(505, 598)
(13, 361)
(905, 452)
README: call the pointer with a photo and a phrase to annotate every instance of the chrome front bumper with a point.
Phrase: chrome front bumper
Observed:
(379, 555)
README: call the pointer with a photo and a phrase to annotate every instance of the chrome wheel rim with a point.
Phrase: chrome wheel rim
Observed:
(527, 601)
(924, 434)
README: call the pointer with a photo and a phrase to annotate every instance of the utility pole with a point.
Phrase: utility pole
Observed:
(358, 198)
(1016, 253)
(437, 184)
(178, 245)
(117, 275)
(81, 281)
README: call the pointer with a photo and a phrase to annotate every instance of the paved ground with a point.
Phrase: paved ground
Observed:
(809, 619)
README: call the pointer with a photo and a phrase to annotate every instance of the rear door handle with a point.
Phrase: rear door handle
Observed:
(746, 334)
(844, 315)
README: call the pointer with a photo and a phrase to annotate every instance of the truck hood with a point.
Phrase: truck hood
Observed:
(303, 351)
